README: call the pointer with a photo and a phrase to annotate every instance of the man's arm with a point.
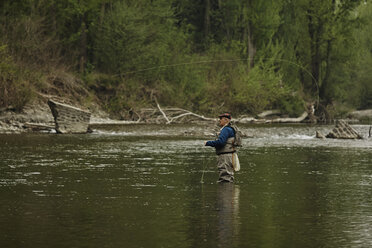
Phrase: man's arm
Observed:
(222, 138)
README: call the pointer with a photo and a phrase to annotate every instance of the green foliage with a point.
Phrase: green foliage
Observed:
(14, 89)
(292, 104)
(135, 37)
(206, 56)
(360, 88)
(259, 90)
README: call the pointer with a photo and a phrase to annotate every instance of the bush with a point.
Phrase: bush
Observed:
(14, 89)
(293, 105)
(258, 90)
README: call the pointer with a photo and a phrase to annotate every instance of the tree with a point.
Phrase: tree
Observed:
(360, 89)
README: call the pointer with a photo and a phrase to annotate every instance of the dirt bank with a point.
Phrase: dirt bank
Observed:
(37, 116)
(38, 113)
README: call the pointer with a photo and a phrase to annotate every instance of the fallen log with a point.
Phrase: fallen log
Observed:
(289, 120)
(38, 126)
(245, 120)
(269, 112)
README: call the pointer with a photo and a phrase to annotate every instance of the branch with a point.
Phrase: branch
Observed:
(193, 114)
(186, 113)
(161, 111)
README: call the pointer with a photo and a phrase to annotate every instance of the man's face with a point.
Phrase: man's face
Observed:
(223, 121)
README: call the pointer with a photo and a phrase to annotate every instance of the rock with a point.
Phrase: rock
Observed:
(343, 131)
(69, 119)
(319, 135)
(10, 127)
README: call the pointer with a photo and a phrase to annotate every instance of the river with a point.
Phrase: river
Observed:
(140, 186)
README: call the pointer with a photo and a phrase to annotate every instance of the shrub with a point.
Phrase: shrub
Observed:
(14, 89)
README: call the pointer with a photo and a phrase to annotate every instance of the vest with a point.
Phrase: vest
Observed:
(227, 148)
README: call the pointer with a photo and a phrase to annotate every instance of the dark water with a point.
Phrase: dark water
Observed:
(139, 186)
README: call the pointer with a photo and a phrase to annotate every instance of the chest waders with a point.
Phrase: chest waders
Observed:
(225, 160)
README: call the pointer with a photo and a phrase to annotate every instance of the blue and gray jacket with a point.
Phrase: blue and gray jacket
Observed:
(224, 143)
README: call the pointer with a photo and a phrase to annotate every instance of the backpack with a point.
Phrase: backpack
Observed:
(238, 135)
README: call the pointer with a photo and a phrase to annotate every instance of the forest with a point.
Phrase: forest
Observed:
(206, 56)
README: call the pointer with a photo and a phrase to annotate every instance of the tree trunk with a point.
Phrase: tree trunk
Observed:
(83, 46)
(248, 38)
(314, 33)
(251, 47)
(207, 21)
(323, 91)
(54, 19)
(103, 9)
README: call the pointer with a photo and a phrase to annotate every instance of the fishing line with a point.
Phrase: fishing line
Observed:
(204, 167)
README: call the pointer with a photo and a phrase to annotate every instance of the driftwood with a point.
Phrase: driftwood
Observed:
(161, 111)
(342, 131)
(289, 120)
(177, 115)
(276, 120)
(38, 126)
(269, 112)
(247, 119)
(188, 113)
(169, 115)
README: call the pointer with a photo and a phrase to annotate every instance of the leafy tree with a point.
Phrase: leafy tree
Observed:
(250, 55)
(360, 87)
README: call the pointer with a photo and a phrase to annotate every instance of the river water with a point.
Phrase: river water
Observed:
(140, 186)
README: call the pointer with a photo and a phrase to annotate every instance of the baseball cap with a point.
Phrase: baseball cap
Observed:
(227, 115)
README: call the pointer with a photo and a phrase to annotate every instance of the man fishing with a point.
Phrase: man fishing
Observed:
(225, 149)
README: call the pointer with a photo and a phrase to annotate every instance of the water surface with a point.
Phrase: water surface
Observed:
(140, 186)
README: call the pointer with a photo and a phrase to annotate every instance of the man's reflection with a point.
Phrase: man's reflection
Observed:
(228, 213)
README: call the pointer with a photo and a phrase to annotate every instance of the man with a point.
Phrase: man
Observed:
(225, 149)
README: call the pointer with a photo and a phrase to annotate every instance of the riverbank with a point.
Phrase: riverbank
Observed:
(37, 116)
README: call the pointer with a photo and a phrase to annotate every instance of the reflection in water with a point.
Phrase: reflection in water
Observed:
(228, 213)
